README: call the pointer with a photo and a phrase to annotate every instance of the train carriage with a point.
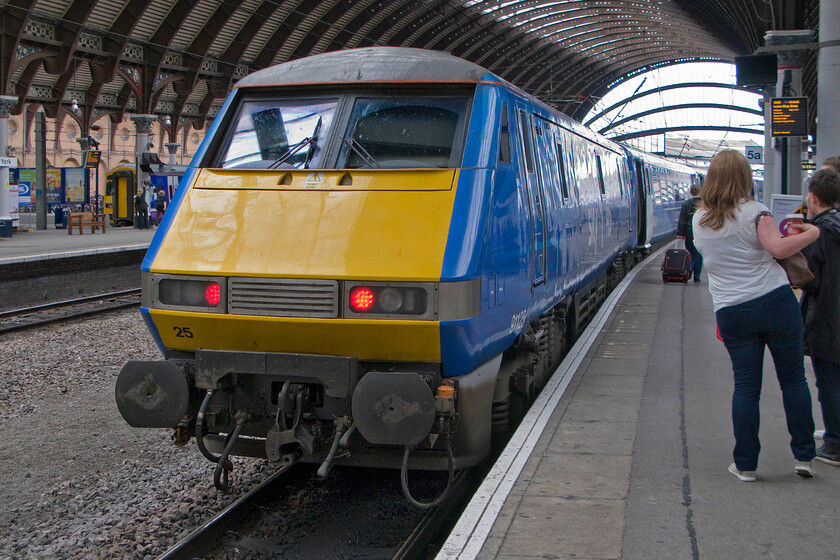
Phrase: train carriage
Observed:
(385, 249)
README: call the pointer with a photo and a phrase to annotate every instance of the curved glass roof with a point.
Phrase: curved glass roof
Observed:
(689, 110)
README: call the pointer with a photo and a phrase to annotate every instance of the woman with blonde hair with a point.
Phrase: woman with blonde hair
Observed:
(754, 307)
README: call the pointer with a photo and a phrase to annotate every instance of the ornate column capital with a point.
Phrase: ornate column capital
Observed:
(6, 104)
(143, 123)
(790, 57)
(172, 147)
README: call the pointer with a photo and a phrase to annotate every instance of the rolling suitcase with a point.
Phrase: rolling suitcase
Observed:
(677, 266)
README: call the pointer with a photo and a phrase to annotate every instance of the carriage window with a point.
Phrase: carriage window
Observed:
(403, 132)
(562, 169)
(288, 133)
(600, 174)
(504, 137)
(525, 134)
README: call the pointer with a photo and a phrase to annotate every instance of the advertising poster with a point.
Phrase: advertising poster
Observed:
(784, 204)
(53, 186)
(14, 206)
(25, 195)
(74, 185)
(26, 184)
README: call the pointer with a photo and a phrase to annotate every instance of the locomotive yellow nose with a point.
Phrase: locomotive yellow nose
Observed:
(386, 231)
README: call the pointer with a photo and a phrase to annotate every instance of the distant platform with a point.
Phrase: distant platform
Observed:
(35, 244)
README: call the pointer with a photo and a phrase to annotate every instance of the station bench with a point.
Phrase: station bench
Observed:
(83, 220)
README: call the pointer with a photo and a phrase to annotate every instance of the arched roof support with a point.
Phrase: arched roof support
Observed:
(659, 90)
(664, 129)
(668, 108)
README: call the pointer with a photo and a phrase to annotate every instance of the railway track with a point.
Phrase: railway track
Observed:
(19, 319)
(262, 524)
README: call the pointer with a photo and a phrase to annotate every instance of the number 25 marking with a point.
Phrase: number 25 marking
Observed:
(183, 332)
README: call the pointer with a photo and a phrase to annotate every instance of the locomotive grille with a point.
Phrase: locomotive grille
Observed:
(274, 297)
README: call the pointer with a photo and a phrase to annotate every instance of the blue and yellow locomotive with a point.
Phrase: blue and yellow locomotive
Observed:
(387, 249)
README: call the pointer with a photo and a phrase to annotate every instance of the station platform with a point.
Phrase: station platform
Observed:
(625, 453)
(46, 266)
(38, 244)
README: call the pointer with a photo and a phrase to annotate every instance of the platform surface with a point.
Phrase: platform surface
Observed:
(625, 453)
(35, 244)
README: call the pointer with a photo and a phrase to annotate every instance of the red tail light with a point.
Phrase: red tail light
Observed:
(361, 299)
(213, 294)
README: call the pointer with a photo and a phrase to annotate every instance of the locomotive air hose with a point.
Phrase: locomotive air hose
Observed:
(223, 465)
(199, 431)
(324, 469)
(404, 478)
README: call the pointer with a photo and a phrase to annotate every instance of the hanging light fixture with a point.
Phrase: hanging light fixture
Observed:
(167, 120)
(74, 103)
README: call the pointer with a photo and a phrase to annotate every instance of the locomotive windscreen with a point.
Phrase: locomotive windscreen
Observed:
(280, 133)
(402, 132)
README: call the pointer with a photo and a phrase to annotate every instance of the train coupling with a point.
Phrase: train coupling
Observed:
(285, 441)
(152, 394)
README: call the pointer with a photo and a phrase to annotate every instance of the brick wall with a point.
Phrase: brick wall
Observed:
(26, 284)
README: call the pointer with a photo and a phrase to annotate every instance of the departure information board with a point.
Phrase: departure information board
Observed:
(790, 116)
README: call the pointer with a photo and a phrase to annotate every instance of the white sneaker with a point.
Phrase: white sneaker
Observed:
(744, 476)
(804, 468)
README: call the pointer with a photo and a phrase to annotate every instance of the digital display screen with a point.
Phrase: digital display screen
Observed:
(789, 116)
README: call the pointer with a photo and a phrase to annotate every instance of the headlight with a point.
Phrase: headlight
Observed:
(403, 301)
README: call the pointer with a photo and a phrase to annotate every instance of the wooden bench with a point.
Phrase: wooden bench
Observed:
(83, 220)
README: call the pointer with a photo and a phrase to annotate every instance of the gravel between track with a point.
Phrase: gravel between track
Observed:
(78, 482)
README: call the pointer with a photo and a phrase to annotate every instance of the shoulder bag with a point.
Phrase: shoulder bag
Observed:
(795, 266)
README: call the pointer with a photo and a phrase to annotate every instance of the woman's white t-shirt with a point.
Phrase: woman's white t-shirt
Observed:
(738, 267)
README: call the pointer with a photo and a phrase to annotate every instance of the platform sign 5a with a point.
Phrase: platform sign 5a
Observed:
(755, 154)
(92, 159)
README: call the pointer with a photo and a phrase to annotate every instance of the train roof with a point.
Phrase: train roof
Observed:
(660, 161)
(372, 64)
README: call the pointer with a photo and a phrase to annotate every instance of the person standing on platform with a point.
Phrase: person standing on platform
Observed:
(832, 163)
(754, 307)
(160, 207)
(684, 230)
(141, 210)
(821, 305)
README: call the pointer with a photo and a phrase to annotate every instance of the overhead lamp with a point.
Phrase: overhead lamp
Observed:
(74, 105)
(167, 120)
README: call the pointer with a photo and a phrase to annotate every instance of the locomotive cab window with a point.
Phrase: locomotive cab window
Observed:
(279, 134)
(403, 132)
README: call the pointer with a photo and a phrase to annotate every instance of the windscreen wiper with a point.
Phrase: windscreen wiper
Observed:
(313, 143)
(310, 141)
(360, 151)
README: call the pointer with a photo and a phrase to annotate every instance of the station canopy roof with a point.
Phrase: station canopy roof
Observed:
(180, 58)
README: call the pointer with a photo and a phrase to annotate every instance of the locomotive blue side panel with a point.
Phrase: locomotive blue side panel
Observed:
(486, 239)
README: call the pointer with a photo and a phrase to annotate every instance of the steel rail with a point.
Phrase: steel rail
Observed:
(66, 303)
(206, 537)
(45, 314)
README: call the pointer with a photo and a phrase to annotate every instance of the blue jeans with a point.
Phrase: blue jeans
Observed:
(828, 385)
(775, 321)
(696, 259)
